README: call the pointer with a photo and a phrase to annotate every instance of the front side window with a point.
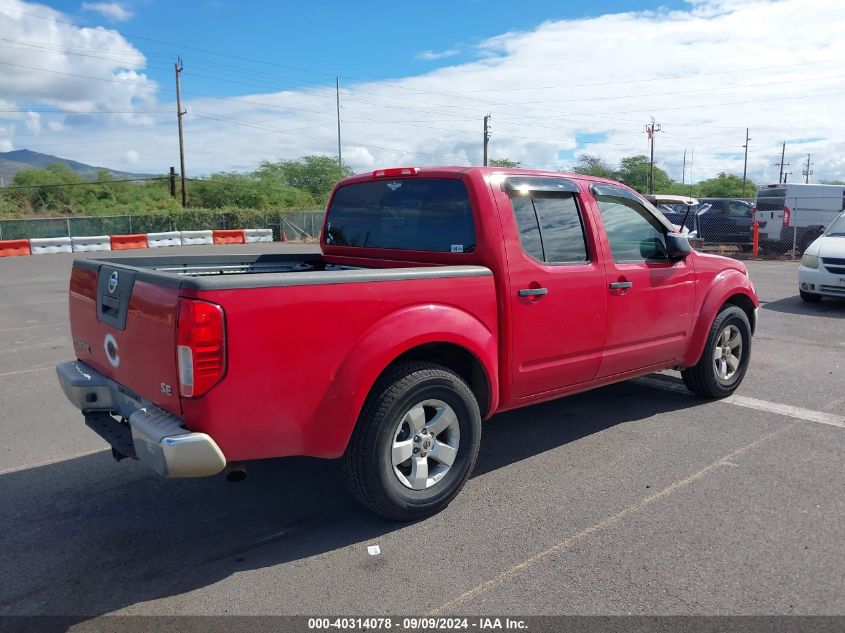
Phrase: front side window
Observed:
(550, 227)
(426, 214)
(739, 210)
(634, 234)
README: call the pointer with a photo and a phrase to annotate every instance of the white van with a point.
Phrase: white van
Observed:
(796, 213)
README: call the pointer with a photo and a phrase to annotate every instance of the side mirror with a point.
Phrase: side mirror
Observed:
(677, 246)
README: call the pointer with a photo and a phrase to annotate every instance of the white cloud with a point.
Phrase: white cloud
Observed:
(435, 55)
(132, 157)
(112, 10)
(555, 91)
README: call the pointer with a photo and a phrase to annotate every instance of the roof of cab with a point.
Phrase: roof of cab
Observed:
(454, 171)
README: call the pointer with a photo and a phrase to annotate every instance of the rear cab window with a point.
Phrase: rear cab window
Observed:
(551, 227)
(419, 214)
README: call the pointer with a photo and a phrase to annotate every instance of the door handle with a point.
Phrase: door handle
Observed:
(533, 292)
(616, 285)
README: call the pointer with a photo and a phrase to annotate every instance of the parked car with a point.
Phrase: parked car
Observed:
(441, 296)
(679, 210)
(796, 213)
(822, 269)
(725, 221)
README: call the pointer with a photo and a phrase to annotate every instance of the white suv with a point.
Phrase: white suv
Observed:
(822, 270)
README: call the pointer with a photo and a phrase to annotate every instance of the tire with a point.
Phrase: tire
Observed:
(714, 377)
(394, 422)
(810, 297)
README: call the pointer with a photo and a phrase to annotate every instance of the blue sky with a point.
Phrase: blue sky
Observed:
(559, 79)
(376, 39)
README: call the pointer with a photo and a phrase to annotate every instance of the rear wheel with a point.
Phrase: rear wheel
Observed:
(723, 363)
(810, 297)
(415, 443)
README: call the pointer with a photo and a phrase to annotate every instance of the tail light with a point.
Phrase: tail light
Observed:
(753, 211)
(396, 171)
(786, 216)
(201, 346)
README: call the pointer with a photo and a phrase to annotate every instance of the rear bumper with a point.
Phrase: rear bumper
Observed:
(157, 437)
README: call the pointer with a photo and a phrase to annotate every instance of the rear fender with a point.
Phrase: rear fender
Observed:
(723, 287)
(383, 343)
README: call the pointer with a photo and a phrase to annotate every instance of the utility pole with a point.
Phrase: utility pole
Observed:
(651, 129)
(745, 163)
(172, 182)
(486, 135)
(691, 163)
(684, 168)
(337, 95)
(782, 164)
(180, 113)
(808, 172)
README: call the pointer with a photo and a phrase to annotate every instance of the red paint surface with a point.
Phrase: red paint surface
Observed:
(302, 359)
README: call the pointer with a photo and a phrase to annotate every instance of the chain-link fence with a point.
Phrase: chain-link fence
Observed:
(298, 225)
(787, 222)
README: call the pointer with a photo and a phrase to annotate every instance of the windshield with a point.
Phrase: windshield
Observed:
(776, 192)
(837, 227)
(410, 214)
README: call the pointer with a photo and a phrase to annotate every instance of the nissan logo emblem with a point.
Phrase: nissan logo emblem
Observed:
(113, 279)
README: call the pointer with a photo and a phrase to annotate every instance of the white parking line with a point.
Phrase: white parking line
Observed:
(31, 327)
(26, 371)
(786, 410)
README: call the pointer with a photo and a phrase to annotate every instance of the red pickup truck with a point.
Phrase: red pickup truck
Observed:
(441, 296)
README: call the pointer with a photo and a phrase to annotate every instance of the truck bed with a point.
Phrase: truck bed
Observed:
(218, 272)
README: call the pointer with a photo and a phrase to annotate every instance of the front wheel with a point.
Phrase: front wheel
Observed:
(810, 297)
(415, 443)
(723, 363)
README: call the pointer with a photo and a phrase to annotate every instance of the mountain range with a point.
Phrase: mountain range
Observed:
(12, 162)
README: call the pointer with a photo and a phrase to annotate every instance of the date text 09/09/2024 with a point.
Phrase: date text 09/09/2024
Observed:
(417, 624)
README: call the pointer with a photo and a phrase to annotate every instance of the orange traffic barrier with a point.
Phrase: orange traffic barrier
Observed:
(235, 236)
(9, 248)
(126, 242)
(755, 238)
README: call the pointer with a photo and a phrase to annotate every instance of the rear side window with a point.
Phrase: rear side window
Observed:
(550, 227)
(425, 214)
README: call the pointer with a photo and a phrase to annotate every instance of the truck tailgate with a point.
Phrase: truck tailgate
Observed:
(125, 328)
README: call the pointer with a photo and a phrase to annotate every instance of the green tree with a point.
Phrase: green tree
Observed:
(505, 162)
(724, 185)
(633, 171)
(315, 174)
(592, 165)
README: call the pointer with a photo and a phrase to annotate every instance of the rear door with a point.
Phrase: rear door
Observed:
(123, 325)
(557, 299)
(650, 298)
(770, 203)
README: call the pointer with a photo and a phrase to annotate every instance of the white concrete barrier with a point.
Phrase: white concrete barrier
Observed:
(169, 238)
(258, 235)
(91, 243)
(190, 238)
(44, 245)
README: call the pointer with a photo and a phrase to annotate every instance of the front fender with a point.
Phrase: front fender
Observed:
(723, 286)
(331, 427)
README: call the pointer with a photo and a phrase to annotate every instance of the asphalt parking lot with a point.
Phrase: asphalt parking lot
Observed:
(633, 499)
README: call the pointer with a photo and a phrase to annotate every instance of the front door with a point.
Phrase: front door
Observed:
(557, 299)
(650, 298)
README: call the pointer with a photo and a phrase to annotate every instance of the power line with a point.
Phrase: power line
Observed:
(84, 184)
